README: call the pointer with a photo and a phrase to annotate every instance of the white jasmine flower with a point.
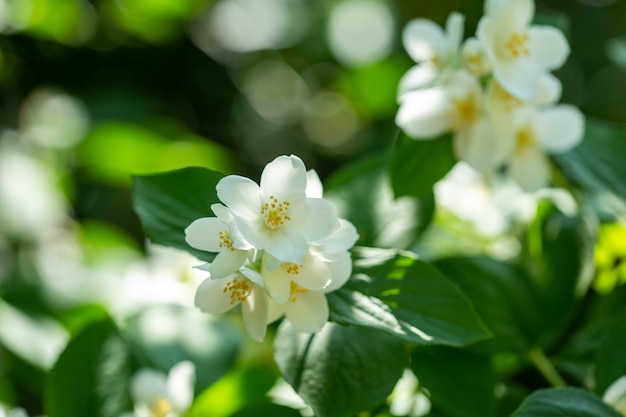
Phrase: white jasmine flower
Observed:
(519, 52)
(474, 59)
(277, 216)
(212, 234)
(406, 399)
(537, 132)
(615, 395)
(457, 105)
(158, 395)
(220, 295)
(12, 412)
(432, 48)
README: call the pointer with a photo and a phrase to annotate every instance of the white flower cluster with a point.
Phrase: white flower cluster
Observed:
(494, 91)
(280, 246)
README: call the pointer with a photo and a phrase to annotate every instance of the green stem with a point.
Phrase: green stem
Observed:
(545, 367)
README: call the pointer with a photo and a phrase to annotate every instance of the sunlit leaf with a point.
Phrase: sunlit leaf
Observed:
(460, 382)
(362, 194)
(568, 401)
(406, 297)
(162, 336)
(502, 297)
(168, 202)
(416, 165)
(340, 371)
(91, 375)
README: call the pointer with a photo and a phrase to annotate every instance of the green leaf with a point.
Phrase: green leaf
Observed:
(597, 164)
(168, 202)
(567, 401)
(90, 376)
(610, 357)
(162, 336)
(395, 292)
(560, 265)
(460, 382)
(340, 371)
(362, 194)
(416, 165)
(502, 297)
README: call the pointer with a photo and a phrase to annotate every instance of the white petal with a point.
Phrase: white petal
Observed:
(322, 220)
(309, 312)
(211, 296)
(249, 233)
(278, 283)
(423, 39)
(254, 311)
(416, 77)
(241, 195)
(548, 90)
(615, 392)
(180, 383)
(454, 30)
(147, 386)
(530, 169)
(548, 47)
(314, 187)
(222, 212)
(425, 114)
(341, 239)
(560, 128)
(340, 271)
(520, 77)
(313, 274)
(287, 245)
(203, 234)
(285, 178)
(274, 311)
(227, 262)
(514, 15)
(477, 145)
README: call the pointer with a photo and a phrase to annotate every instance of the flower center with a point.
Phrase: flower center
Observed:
(295, 291)
(509, 102)
(226, 242)
(465, 113)
(525, 138)
(517, 45)
(239, 288)
(275, 213)
(160, 408)
(291, 269)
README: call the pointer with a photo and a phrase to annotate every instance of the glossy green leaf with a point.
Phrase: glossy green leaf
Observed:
(91, 375)
(610, 356)
(168, 202)
(502, 297)
(560, 265)
(401, 295)
(362, 194)
(460, 383)
(561, 402)
(162, 336)
(597, 164)
(416, 165)
(340, 371)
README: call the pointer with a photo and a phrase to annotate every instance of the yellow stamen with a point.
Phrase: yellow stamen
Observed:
(525, 138)
(296, 290)
(275, 213)
(239, 289)
(517, 45)
(226, 242)
(160, 408)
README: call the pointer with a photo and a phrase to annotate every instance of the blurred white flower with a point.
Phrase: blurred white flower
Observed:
(454, 105)
(537, 132)
(406, 399)
(12, 412)
(157, 395)
(519, 52)
(474, 59)
(615, 395)
(433, 49)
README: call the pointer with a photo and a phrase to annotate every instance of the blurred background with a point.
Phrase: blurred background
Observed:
(94, 91)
